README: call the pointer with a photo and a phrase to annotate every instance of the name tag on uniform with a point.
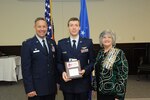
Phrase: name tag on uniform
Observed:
(64, 52)
(36, 51)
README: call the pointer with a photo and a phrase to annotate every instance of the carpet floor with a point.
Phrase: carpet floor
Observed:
(136, 90)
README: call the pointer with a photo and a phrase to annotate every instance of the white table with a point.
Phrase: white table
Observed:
(10, 68)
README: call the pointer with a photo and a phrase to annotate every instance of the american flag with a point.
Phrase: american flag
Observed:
(48, 17)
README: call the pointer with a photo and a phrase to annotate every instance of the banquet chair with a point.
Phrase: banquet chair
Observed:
(143, 68)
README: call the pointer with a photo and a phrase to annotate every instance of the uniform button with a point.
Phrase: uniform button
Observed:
(48, 71)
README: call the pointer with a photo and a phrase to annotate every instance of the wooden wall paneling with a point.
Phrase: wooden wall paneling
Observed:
(133, 52)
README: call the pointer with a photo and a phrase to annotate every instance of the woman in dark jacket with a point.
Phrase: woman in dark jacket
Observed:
(111, 69)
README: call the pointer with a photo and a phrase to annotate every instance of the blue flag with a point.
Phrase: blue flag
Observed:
(48, 17)
(84, 23)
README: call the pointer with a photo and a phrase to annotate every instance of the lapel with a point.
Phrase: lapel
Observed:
(50, 46)
(38, 45)
(79, 45)
(70, 49)
(68, 45)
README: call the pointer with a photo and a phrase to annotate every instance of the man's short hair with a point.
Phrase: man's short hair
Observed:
(40, 18)
(73, 19)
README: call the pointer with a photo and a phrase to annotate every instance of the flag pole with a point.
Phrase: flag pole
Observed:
(50, 7)
(51, 18)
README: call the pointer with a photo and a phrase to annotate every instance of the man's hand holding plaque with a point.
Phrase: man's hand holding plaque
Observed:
(73, 69)
(65, 77)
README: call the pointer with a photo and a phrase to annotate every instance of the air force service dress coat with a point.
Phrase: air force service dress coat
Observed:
(38, 67)
(85, 54)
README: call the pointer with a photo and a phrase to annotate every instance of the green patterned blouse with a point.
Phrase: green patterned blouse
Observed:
(111, 81)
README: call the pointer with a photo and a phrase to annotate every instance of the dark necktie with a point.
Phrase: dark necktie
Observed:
(74, 44)
(44, 46)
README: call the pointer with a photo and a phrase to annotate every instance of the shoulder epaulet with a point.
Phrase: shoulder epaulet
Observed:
(63, 39)
(28, 40)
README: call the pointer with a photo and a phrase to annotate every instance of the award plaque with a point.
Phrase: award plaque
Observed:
(73, 68)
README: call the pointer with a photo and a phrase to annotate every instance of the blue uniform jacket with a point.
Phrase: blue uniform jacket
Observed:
(85, 54)
(38, 67)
